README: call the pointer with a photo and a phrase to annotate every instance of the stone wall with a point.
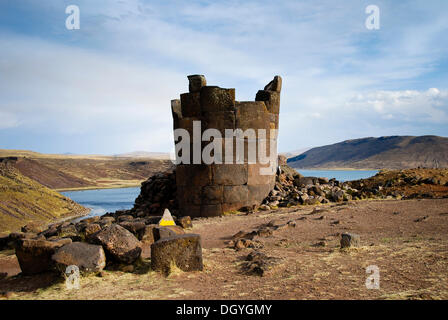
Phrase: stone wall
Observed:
(213, 189)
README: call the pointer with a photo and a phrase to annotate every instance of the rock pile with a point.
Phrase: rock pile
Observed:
(156, 194)
(292, 189)
(116, 239)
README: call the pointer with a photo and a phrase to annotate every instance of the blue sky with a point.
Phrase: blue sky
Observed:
(106, 88)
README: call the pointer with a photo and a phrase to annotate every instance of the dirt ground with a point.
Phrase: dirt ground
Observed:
(407, 240)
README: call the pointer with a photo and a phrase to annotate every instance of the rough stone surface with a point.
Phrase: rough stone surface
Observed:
(33, 227)
(183, 251)
(196, 82)
(118, 243)
(87, 257)
(350, 240)
(212, 189)
(91, 229)
(167, 232)
(185, 222)
(34, 256)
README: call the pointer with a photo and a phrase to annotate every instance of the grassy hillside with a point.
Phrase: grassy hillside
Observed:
(72, 172)
(395, 152)
(23, 200)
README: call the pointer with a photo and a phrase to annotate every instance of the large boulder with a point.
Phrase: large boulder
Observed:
(118, 243)
(87, 257)
(35, 255)
(183, 251)
(71, 232)
(133, 226)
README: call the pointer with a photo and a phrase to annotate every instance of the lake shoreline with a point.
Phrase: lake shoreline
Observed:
(124, 186)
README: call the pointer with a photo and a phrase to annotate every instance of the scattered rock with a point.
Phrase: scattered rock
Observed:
(71, 232)
(118, 243)
(125, 217)
(92, 229)
(87, 257)
(133, 226)
(183, 251)
(350, 240)
(92, 219)
(258, 263)
(421, 219)
(320, 244)
(185, 222)
(33, 227)
(242, 244)
(265, 207)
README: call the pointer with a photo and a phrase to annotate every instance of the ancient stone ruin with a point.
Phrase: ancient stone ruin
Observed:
(205, 189)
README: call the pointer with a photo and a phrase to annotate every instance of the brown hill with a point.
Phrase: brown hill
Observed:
(394, 152)
(72, 172)
(23, 200)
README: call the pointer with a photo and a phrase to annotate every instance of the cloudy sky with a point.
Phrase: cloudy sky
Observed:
(106, 88)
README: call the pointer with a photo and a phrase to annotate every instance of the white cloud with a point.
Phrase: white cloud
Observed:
(119, 72)
(407, 105)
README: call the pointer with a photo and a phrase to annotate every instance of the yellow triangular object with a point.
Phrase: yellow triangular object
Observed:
(167, 219)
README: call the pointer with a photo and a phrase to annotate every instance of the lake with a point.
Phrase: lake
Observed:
(101, 201)
(340, 175)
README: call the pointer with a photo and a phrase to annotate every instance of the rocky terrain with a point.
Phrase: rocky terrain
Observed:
(287, 253)
(394, 152)
(252, 253)
(23, 200)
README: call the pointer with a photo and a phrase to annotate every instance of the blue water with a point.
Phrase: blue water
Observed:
(101, 201)
(340, 175)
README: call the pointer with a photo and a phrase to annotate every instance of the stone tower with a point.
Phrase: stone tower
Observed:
(235, 179)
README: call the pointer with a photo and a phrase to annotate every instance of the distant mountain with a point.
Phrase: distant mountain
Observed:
(144, 154)
(394, 152)
(294, 153)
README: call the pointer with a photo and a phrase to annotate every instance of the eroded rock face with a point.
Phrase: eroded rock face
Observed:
(118, 243)
(205, 189)
(183, 251)
(87, 257)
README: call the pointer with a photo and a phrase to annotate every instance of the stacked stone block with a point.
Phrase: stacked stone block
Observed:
(206, 190)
